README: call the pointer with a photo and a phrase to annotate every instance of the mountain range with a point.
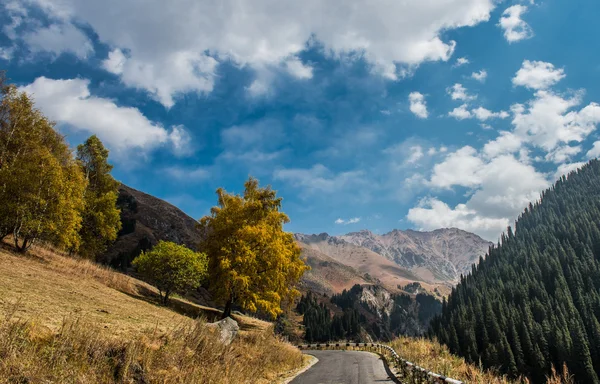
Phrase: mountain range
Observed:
(435, 259)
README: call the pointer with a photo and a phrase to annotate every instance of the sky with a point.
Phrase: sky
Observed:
(376, 114)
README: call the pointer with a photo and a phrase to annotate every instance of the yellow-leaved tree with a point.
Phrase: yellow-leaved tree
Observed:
(252, 261)
(41, 185)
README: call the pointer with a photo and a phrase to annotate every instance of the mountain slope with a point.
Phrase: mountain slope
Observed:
(146, 220)
(369, 264)
(534, 302)
(327, 275)
(441, 255)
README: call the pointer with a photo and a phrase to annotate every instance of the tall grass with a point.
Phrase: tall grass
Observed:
(437, 358)
(80, 353)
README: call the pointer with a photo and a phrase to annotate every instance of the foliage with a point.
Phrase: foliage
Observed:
(407, 315)
(41, 186)
(172, 268)
(534, 302)
(253, 262)
(101, 217)
(320, 326)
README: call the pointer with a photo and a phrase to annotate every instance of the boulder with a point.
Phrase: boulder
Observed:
(227, 328)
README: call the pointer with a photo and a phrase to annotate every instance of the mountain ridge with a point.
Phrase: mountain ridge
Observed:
(441, 255)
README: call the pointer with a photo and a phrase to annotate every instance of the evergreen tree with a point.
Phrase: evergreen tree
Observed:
(101, 217)
(534, 300)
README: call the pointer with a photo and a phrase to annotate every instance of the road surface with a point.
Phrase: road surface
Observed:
(345, 367)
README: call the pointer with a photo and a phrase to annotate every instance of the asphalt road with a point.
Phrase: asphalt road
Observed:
(345, 367)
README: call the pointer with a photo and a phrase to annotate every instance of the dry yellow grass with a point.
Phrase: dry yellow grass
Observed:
(51, 286)
(70, 320)
(437, 358)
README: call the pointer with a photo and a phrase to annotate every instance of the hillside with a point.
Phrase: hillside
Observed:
(327, 275)
(534, 302)
(68, 319)
(146, 220)
(372, 266)
(441, 255)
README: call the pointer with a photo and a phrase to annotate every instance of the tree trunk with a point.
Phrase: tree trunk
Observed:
(23, 248)
(227, 310)
(166, 297)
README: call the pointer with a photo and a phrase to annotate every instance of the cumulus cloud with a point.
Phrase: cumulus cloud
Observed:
(70, 103)
(480, 76)
(515, 28)
(461, 61)
(501, 187)
(484, 114)
(538, 75)
(461, 112)
(549, 120)
(418, 106)
(59, 38)
(500, 179)
(169, 53)
(458, 92)
(353, 220)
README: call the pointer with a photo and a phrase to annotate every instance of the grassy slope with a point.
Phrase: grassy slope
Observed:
(437, 358)
(68, 320)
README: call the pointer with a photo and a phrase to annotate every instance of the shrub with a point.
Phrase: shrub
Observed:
(172, 268)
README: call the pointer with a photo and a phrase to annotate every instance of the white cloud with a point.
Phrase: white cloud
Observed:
(418, 106)
(458, 168)
(461, 61)
(480, 76)
(538, 75)
(432, 214)
(353, 220)
(164, 40)
(460, 113)
(595, 151)
(319, 179)
(458, 92)
(416, 154)
(484, 114)
(501, 187)
(59, 38)
(165, 77)
(561, 154)
(565, 169)
(70, 103)
(297, 69)
(548, 120)
(505, 143)
(515, 29)
(6, 53)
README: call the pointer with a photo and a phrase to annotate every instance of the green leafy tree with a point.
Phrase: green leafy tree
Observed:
(253, 262)
(171, 268)
(101, 217)
(41, 186)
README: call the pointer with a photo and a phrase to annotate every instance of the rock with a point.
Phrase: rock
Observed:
(228, 329)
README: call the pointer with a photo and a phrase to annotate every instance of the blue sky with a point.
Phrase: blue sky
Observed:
(362, 114)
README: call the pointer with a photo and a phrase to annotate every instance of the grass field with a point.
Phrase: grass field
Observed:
(72, 321)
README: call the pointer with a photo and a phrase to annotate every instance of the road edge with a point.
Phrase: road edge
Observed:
(311, 361)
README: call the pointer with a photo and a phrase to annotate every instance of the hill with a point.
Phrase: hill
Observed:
(441, 255)
(70, 320)
(146, 220)
(534, 302)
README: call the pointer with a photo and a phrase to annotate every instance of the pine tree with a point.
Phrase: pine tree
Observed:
(101, 217)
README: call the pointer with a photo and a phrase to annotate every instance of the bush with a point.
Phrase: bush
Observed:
(172, 268)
